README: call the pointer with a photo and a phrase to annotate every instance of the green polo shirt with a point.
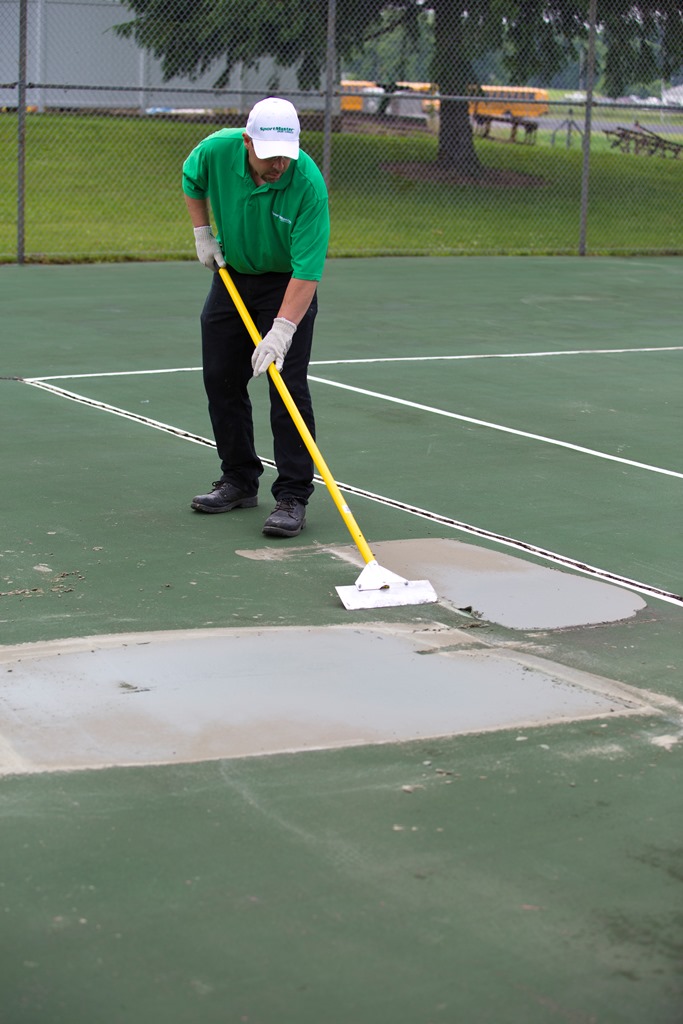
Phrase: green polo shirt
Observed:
(283, 226)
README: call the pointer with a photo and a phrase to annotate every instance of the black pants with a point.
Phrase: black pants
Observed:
(226, 354)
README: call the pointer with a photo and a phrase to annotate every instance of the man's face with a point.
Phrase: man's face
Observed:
(268, 170)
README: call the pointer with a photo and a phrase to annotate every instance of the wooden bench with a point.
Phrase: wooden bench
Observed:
(642, 140)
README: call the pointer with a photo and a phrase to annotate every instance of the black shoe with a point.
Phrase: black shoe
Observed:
(287, 519)
(224, 497)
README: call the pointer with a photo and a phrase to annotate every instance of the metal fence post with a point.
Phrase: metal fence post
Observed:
(590, 76)
(21, 130)
(330, 75)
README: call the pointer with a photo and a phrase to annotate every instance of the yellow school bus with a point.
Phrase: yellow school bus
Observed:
(508, 101)
(353, 93)
(430, 103)
(487, 100)
(491, 100)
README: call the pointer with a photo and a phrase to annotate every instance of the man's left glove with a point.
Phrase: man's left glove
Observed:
(274, 346)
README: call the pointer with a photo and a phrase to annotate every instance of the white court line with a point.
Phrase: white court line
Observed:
(381, 359)
(113, 373)
(427, 408)
(495, 355)
(497, 426)
(475, 531)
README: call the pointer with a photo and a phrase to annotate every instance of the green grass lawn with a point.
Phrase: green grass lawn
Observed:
(100, 188)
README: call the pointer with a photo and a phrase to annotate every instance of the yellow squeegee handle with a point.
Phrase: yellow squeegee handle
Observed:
(306, 435)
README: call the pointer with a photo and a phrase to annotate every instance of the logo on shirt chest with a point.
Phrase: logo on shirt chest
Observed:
(278, 216)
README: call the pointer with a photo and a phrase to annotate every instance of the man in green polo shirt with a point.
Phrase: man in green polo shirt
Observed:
(270, 207)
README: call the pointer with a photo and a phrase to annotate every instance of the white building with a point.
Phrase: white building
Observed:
(74, 58)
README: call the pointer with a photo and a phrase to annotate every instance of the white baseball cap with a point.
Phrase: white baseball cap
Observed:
(273, 126)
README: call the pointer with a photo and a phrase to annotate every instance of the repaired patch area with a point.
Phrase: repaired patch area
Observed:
(191, 696)
(505, 589)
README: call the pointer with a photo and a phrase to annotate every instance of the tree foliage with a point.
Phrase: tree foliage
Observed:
(537, 38)
(641, 41)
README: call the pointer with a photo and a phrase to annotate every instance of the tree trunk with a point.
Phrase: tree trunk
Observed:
(456, 145)
(453, 73)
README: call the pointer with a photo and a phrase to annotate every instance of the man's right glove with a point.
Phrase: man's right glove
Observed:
(208, 249)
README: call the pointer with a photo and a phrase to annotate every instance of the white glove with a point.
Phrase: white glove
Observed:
(274, 346)
(208, 249)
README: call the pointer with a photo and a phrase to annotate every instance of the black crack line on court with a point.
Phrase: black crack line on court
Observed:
(435, 517)
(124, 413)
(520, 545)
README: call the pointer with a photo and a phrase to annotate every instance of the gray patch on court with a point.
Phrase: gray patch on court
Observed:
(504, 589)
(177, 697)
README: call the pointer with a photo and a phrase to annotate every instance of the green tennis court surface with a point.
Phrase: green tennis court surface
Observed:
(227, 798)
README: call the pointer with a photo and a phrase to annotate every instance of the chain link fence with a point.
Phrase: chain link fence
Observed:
(432, 140)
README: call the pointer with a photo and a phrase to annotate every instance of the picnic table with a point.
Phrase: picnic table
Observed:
(642, 140)
(484, 122)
